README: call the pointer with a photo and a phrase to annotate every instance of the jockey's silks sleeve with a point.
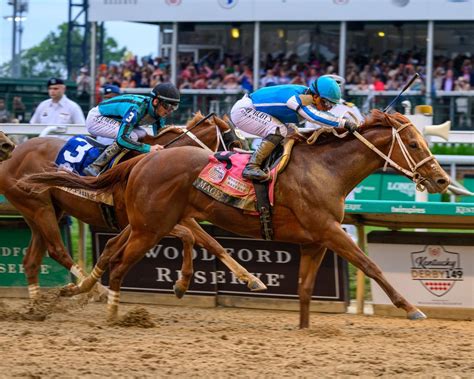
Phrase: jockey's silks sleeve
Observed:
(129, 122)
(312, 114)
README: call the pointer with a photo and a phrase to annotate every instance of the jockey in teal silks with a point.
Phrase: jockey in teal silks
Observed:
(268, 111)
(121, 117)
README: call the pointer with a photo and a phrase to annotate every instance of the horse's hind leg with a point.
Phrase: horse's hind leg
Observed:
(137, 245)
(114, 246)
(185, 235)
(32, 261)
(205, 240)
(338, 241)
(310, 261)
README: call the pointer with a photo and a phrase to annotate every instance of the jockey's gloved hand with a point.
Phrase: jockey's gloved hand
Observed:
(350, 125)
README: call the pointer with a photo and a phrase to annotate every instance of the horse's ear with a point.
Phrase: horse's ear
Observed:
(222, 123)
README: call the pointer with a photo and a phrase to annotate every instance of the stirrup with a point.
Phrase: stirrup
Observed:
(255, 173)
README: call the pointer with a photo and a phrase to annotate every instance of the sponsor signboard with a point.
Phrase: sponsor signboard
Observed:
(15, 236)
(275, 263)
(278, 10)
(432, 270)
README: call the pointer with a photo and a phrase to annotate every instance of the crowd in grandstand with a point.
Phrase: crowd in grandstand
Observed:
(386, 72)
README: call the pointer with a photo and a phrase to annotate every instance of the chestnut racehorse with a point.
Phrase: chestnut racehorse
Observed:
(6, 147)
(309, 199)
(43, 210)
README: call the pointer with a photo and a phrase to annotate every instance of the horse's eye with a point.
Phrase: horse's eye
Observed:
(413, 145)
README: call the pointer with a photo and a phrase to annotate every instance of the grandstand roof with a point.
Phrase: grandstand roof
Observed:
(279, 10)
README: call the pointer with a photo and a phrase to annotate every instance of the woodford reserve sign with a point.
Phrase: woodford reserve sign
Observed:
(275, 263)
(15, 236)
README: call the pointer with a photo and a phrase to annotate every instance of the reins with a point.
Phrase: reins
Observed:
(196, 139)
(191, 135)
(414, 166)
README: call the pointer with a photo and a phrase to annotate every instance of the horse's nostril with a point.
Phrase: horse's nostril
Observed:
(6, 146)
(441, 182)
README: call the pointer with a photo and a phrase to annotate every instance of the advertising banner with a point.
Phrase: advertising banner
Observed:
(278, 10)
(15, 236)
(433, 270)
(276, 264)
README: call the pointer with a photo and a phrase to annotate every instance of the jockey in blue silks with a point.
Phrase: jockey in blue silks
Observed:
(268, 111)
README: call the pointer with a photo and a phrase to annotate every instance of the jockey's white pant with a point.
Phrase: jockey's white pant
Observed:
(246, 117)
(108, 128)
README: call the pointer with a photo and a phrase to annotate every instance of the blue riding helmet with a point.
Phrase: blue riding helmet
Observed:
(327, 88)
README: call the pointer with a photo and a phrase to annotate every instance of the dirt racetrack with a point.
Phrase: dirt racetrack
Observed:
(76, 342)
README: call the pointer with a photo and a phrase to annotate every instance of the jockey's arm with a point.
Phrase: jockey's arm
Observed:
(300, 105)
(127, 127)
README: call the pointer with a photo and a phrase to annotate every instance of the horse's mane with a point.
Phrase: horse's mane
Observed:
(198, 116)
(376, 118)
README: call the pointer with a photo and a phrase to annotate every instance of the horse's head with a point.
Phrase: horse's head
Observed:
(6, 147)
(410, 151)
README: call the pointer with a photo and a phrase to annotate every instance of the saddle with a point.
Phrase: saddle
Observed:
(222, 180)
(79, 152)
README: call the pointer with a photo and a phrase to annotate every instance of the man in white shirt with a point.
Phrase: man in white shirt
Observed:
(59, 109)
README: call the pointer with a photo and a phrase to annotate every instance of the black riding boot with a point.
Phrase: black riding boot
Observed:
(253, 169)
(97, 166)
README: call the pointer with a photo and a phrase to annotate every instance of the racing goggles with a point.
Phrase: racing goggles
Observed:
(169, 106)
(326, 103)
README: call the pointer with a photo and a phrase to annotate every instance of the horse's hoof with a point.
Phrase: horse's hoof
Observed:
(256, 285)
(69, 290)
(416, 315)
(179, 291)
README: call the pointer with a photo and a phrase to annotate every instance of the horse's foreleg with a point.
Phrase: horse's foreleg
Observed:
(311, 258)
(136, 247)
(185, 235)
(205, 240)
(338, 241)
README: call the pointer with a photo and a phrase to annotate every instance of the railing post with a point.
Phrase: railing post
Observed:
(360, 283)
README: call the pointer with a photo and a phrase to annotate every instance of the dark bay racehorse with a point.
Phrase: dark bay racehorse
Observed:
(309, 200)
(43, 210)
(6, 147)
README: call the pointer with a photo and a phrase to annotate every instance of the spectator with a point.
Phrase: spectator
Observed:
(111, 91)
(269, 79)
(448, 81)
(58, 109)
(378, 84)
(5, 116)
(19, 109)
(83, 82)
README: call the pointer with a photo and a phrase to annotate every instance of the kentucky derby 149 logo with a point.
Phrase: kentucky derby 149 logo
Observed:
(437, 269)
(228, 3)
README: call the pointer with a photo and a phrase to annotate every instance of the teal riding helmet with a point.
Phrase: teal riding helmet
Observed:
(327, 88)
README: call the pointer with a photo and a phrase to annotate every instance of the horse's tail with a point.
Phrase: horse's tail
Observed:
(105, 182)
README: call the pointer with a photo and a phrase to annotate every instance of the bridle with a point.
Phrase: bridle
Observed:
(414, 166)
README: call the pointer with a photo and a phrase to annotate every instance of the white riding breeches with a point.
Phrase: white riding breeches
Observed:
(246, 117)
(103, 126)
